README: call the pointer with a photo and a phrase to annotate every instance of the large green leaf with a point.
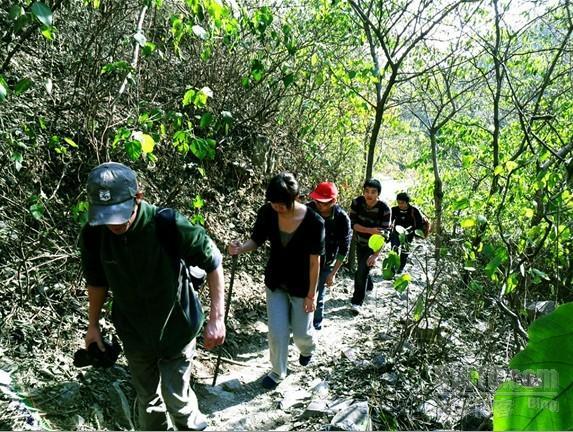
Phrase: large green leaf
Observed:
(548, 358)
(43, 13)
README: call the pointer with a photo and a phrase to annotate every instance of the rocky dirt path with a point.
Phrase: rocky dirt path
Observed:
(310, 397)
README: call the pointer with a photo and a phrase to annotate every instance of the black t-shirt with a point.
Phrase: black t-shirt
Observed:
(410, 217)
(288, 267)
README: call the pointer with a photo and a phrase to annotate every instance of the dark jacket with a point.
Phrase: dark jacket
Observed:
(338, 235)
(141, 276)
(288, 267)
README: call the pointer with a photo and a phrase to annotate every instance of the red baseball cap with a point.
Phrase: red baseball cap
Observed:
(324, 192)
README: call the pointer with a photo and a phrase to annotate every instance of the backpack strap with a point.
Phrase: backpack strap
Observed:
(167, 233)
(170, 239)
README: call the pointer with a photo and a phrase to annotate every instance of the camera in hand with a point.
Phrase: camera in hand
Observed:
(96, 358)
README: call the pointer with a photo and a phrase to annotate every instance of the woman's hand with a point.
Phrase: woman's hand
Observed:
(308, 304)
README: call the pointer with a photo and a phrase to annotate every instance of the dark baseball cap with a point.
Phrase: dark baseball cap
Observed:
(111, 193)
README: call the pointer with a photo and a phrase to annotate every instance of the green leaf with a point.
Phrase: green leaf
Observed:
(48, 32)
(460, 204)
(546, 404)
(203, 148)
(390, 265)
(198, 202)
(17, 158)
(147, 142)
(376, 242)
(498, 170)
(118, 66)
(257, 70)
(189, 97)
(510, 165)
(288, 79)
(468, 223)
(133, 149)
(402, 282)
(538, 275)
(419, 308)
(15, 12)
(37, 211)
(80, 212)
(148, 48)
(43, 13)
(3, 89)
(198, 219)
(206, 120)
(474, 376)
(205, 54)
(70, 142)
(510, 284)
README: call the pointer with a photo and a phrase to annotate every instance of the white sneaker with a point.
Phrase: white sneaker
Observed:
(356, 308)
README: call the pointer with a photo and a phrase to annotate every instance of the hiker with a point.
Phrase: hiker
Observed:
(337, 240)
(408, 217)
(296, 236)
(122, 252)
(368, 215)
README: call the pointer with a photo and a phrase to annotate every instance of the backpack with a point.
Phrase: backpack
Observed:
(426, 224)
(190, 279)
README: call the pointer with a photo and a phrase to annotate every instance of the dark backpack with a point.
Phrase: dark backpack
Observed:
(190, 279)
(426, 227)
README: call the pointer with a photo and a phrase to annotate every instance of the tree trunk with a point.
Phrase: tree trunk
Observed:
(438, 192)
(374, 139)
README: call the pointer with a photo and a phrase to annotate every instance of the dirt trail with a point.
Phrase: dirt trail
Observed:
(242, 403)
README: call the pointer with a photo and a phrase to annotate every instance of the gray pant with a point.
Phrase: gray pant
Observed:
(163, 384)
(286, 313)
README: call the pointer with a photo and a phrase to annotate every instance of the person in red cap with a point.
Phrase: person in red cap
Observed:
(337, 240)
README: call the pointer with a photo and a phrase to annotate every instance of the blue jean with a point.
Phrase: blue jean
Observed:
(362, 279)
(320, 297)
(172, 375)
(286, 313)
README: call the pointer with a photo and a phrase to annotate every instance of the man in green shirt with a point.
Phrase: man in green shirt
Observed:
(122, 252)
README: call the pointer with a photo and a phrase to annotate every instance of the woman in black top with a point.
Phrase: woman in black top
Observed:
(296, 235)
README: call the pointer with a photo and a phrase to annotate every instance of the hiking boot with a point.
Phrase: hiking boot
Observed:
(269, 383)
(304, 360)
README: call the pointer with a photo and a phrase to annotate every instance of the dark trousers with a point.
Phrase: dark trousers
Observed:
(362, 278)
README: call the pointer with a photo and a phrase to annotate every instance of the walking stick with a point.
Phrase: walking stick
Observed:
(233, 270)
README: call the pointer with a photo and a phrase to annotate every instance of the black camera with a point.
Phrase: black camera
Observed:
(96, 358)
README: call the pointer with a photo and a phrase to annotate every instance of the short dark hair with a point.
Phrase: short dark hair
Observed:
(403, 196)
(283, 188)
(373, 183)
